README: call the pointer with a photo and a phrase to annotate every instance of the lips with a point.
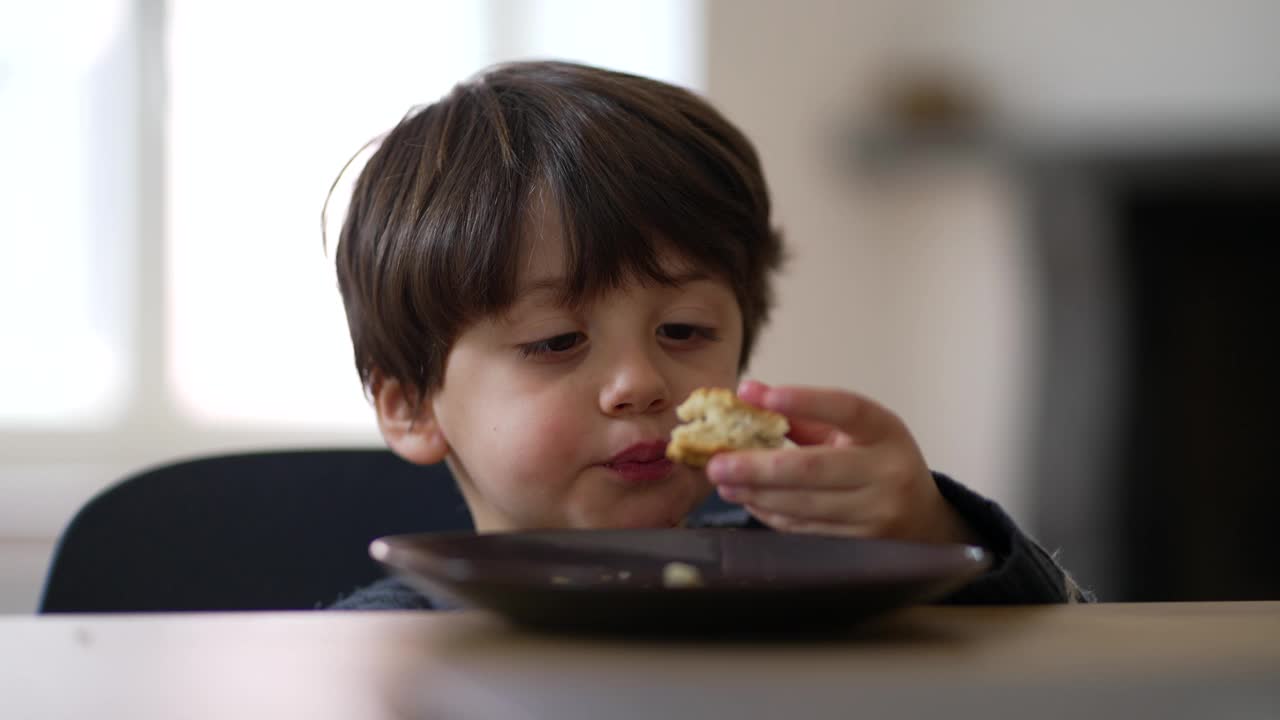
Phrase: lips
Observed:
(642, 462)
(641, 452)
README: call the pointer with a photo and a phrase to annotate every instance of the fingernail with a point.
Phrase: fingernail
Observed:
(749, 385)
(732, 493)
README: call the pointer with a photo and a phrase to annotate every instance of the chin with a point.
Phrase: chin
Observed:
(641, 515)
(644, 523)
(659, 506)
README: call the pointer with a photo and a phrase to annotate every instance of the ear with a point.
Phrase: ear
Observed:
(410, 431)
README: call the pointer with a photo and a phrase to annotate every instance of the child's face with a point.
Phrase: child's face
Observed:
(538, 405)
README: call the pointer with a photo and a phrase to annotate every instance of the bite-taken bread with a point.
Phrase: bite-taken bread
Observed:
(715, 420)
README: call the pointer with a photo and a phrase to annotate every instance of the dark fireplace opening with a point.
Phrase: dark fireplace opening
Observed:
(1156, 440)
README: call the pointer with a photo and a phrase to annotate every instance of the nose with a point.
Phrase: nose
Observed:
(634, 385)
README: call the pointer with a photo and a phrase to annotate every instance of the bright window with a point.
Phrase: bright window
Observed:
(160, 224)
(267, 101)
(67, 103)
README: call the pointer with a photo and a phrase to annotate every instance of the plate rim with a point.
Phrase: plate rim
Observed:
(393, 552)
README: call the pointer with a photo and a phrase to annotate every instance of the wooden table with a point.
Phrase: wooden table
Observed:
(1201, 660)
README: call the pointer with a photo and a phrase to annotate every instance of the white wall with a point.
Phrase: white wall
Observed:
(909, 289)
(915, 288)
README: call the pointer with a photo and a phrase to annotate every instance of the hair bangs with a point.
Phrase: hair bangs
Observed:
(630, 188)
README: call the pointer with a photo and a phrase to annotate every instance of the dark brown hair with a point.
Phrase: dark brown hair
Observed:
(433, 231)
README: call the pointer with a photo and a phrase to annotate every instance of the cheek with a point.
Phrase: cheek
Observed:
(538, 445)
(507, 430)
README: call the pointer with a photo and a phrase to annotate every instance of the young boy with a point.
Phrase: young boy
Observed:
(540, 266)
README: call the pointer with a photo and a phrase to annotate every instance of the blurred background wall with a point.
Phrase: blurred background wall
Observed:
(946, 175)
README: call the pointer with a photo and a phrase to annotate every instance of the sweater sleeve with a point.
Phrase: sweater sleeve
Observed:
(389, 593)
(1022, 571)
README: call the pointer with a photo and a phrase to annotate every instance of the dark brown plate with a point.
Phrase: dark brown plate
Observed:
(614, 579)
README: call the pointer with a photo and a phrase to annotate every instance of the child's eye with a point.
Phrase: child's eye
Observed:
(682, 332)
(557, 345)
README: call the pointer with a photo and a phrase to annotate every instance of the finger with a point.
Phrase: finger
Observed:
(808, 432)
(752, 391)
(788, 523)
(814, 467)
(865, 420)
(803, 431)
(834, 506)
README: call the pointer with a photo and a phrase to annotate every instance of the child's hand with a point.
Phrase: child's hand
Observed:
(857, 471)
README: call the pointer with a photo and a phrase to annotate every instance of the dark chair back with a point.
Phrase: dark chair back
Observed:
(258, 531)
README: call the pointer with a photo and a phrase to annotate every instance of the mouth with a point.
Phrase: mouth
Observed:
(642, 462)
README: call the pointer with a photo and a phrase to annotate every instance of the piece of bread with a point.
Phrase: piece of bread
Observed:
(715, 420)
